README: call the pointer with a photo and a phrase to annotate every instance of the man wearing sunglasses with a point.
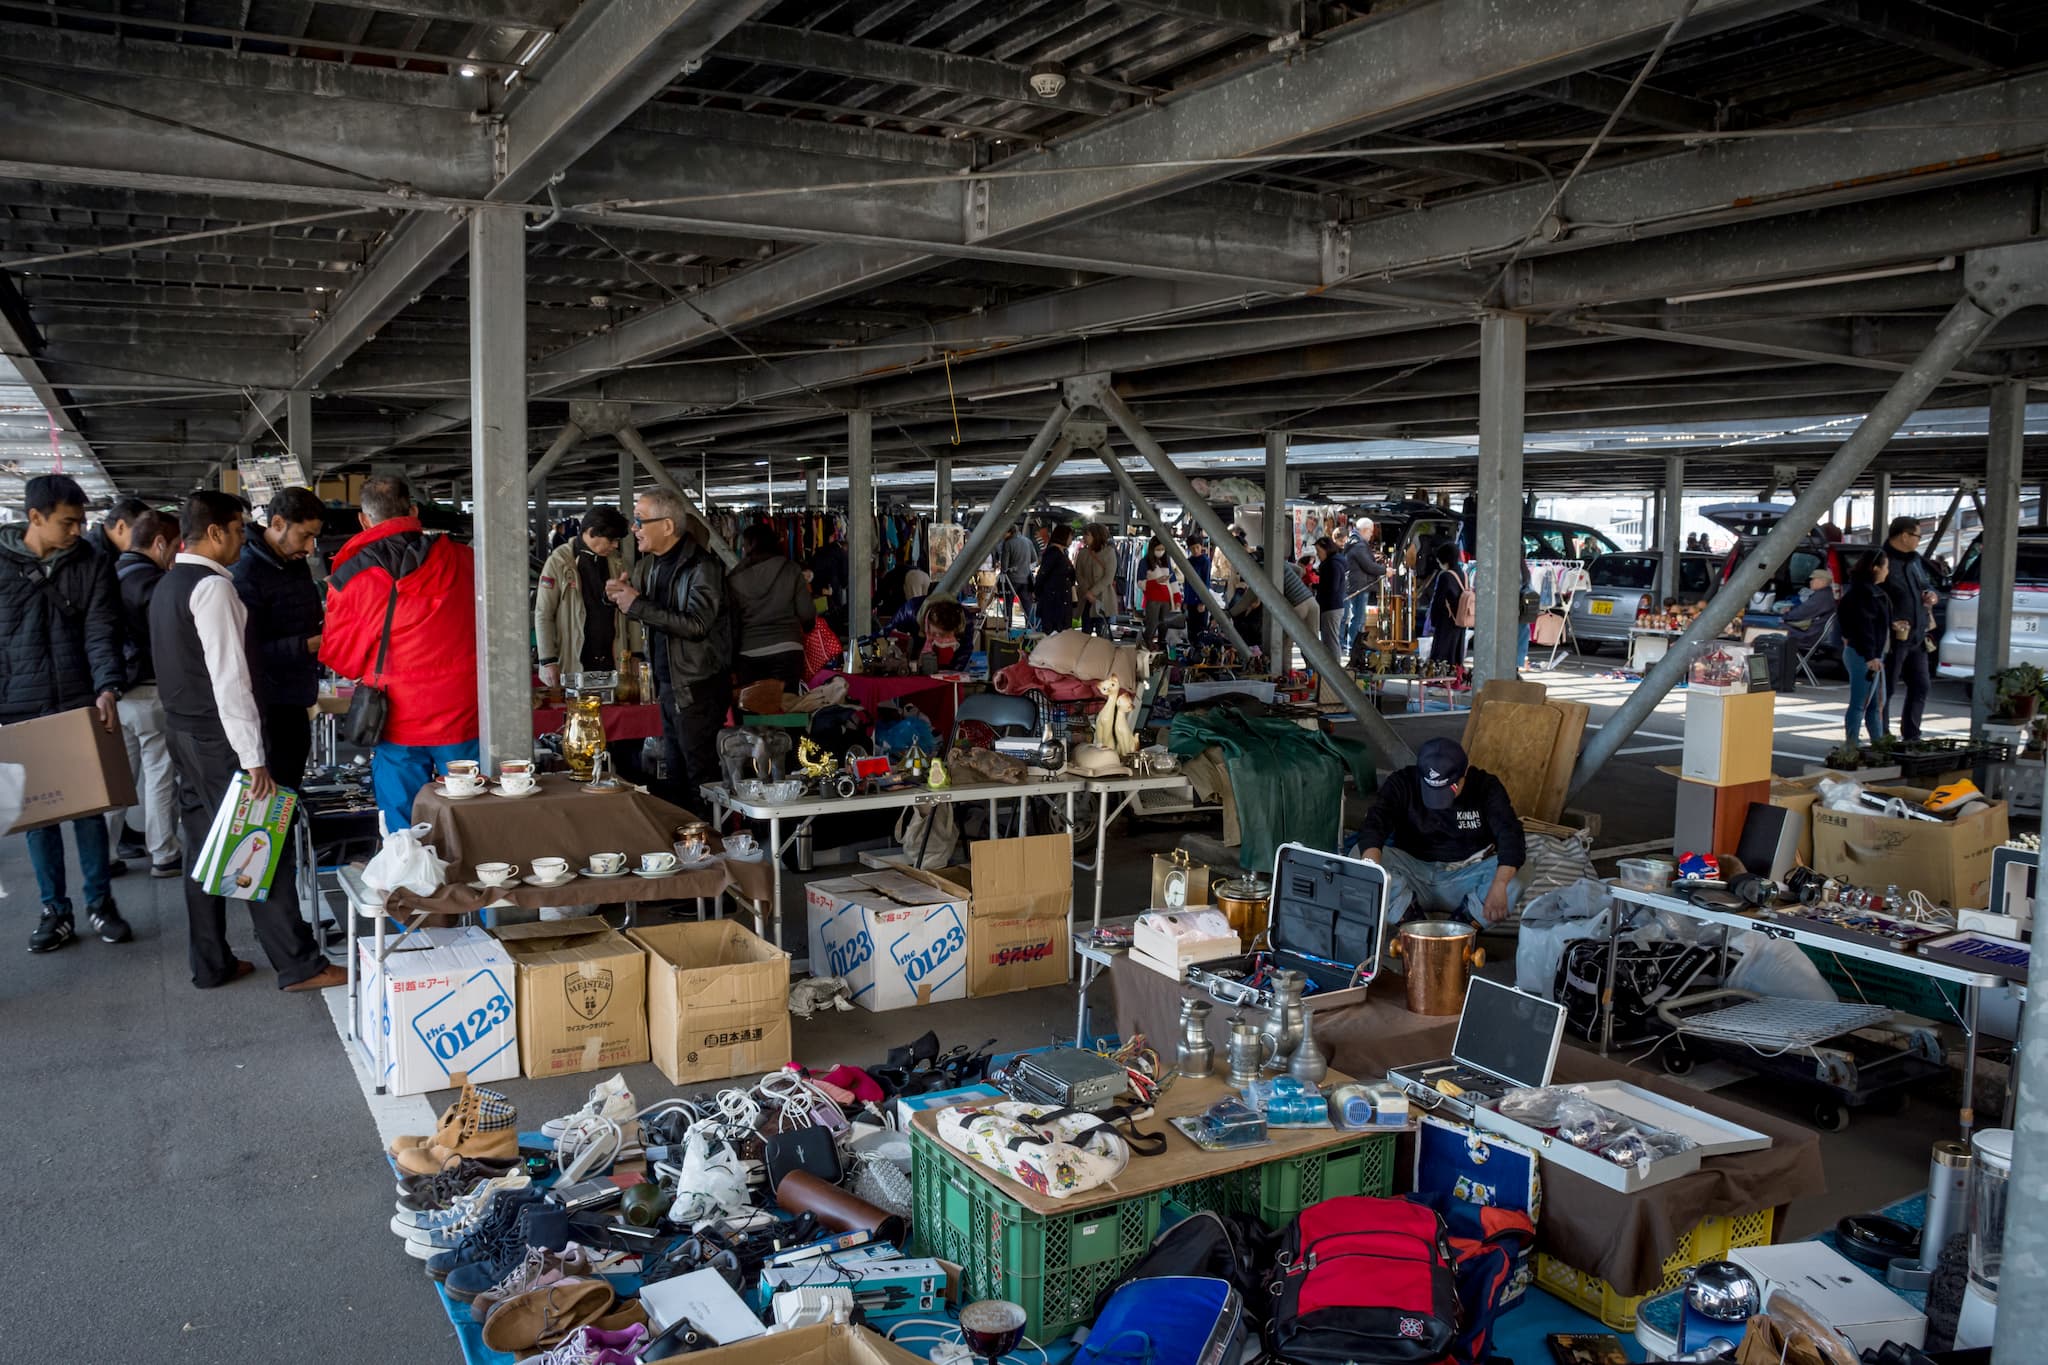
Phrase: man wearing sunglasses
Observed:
(677, 594)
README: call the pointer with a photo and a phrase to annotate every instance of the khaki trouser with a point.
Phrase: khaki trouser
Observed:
(149, 757)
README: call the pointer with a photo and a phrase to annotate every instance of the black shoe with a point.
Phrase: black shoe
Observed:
(106, 919)
(53, 932)
(116, 868)
(173, 868)
(131, 848)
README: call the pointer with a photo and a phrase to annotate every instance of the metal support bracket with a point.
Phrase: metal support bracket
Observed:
(1336, 253)
(599, 419)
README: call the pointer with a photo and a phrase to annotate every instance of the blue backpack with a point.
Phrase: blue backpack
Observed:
(1169, 1320)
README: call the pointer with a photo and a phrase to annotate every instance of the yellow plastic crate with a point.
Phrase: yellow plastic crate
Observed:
(1710, 1240)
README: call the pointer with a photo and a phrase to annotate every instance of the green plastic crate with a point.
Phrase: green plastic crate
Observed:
(1053, 1265)
(1880, 984)
(1279, 1190)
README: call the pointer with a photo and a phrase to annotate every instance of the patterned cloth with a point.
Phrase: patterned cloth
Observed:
(1062, 1157)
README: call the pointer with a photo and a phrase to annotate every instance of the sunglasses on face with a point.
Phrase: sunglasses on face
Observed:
(639, 522)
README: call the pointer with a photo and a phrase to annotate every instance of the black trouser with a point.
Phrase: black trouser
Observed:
(691, 729)
(1447, 645)
(1056, 612)
(206, 765)
(787, 666)
(287, 742)
(1906, 674)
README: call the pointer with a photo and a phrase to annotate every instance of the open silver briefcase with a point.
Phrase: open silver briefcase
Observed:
(1327, 919)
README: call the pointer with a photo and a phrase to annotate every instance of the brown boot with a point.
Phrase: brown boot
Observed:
(330, 975)
(542, 1317)
(446, 1123)
(485, 1129)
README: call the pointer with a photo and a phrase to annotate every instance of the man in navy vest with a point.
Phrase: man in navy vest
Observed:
(196, 628)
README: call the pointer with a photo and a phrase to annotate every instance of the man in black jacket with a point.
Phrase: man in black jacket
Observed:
(113, 537)
(677, 594)
(1911, 591)
(1364, 571)
(60, 650)
(283, 635)
(152, 543)
(1447, 835)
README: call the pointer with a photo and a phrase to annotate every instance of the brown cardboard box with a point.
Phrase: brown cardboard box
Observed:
(826, 1344)
(717, 1000)
(74, 767)
(1019, 893)
(1799, 795)
(582, 996)
(1947, 861)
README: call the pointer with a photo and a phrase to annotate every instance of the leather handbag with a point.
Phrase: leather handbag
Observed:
(370, 708)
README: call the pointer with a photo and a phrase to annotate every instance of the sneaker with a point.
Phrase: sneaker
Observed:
(538, 1224)
(52, 932)
(107, 922)
(131, 846)
(116, 868)
(483, 1239)
(541, 1267)
(608, 1099)
(439, 1190)
(594, 1346)
(173, 867)
(429, 1234)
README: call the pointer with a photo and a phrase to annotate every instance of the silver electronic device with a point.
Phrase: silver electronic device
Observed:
(1067, 1076)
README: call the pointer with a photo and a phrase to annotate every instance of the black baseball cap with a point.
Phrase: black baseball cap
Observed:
(1441, 764)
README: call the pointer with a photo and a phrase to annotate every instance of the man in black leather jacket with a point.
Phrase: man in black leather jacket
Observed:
(677, 594)
(1911, 590)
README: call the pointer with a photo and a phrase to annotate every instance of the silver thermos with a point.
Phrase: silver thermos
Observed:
(1948, 1182)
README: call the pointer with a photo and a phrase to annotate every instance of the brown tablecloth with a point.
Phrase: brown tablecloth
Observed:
(564, 820)
(1622, 1238)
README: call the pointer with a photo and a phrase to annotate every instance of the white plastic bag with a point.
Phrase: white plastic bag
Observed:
(1776, 967)
(710, 1184)
(406, 863)
(1549, 922)
(13, 785)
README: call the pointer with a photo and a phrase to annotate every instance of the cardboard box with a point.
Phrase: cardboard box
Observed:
(827, 1344)
(1708, 818)
(1799, 795)
(1844, 1296)
(1728, 736)
(1019, 893)
(717, 1000)
(1947, 861)
(73, 767)
(448, 998)
(897, 937)
(582, 996)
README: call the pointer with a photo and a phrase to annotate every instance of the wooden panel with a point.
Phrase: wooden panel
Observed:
(1564, 756)
(1502, 689)
(1514, 741)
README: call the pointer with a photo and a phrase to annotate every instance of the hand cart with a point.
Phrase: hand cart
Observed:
(1815, 1045)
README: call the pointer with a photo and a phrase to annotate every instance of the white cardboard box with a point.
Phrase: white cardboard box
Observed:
(896, 940)
(451, 1008)
(1171, 939)
(1845, 1296)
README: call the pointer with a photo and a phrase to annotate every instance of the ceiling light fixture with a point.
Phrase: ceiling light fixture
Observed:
(1048, 79)
(466, 71)
(1889, 272)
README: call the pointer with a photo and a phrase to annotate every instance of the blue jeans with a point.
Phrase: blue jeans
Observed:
(398, 771)
(1866, 697)
(1417, 886)
(46, 855)
(1354, 617)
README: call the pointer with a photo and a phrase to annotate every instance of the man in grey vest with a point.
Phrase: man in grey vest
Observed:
(197, 625)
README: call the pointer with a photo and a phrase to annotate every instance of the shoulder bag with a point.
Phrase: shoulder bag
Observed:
(370, 707)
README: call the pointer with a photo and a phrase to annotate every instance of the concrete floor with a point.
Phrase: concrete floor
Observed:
(203, 1172)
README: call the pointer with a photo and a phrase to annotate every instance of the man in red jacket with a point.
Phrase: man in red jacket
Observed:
(427, 584)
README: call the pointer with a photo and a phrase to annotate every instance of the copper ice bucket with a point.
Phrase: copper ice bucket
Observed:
(1439, 957)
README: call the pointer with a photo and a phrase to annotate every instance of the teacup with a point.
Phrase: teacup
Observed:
(657, 862)
(462, 784)
(465, 768)
(741, 843)
(692, 840)
(551, 869)
(496, 874)
(607, 862)
(515, 767)
(515, 784)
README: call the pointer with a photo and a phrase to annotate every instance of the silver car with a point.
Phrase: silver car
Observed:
(1627, 580)
(1958, 656)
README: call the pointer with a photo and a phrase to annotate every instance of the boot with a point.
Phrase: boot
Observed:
(485, 1129)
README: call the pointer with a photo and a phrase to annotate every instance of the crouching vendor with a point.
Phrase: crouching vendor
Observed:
(1448, 837)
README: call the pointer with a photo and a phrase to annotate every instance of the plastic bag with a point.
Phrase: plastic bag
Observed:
(1552, 920)
(930, 852)
(1776, 967)
(710, 1184)
(13, 784)
(404, 863)
(1845, 795)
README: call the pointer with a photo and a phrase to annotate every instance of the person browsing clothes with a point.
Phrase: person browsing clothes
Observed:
(1448, 836)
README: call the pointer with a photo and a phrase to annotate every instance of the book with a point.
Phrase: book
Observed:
(246, 842)
(1586, 1348)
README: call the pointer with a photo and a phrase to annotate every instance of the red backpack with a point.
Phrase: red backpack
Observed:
(1364, 1281)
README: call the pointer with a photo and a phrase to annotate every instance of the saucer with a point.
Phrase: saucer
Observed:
(604, 876)
(562, 880)
(665, 872)
(514, 796)
(454, 795)
(754, 855)
(492, 886)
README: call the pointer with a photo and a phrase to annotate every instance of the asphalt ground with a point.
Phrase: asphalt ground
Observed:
(200, 1173)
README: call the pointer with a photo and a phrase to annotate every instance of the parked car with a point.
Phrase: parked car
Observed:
(1627, 580)
(1957, 656)
(1750, 522)
(1399, 525)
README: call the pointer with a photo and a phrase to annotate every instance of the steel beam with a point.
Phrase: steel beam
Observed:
(924, 68)
(1502, 358)
(1389, 749)
(298, 430)
(942, 490)
(19, 344)
(1279, 545)
(1002, 508)
(1998, 570)
(1674, 524)
(1174, 550)
(497, 331)
(860, 521)
(1997, 282)
(1656, 108)
(558, 449)
(521, 14)
(1945, 35)
(630, 439)
(1267, 18)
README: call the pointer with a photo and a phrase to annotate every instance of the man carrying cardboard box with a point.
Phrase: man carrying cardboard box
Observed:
(60, 642)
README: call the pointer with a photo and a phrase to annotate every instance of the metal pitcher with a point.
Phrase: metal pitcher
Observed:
(1196, 1055)
(1283, 1024)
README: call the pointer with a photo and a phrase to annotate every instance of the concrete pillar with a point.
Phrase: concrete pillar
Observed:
(2041, 505)
(497, 463)
(538, 518)
(1278, 542)
(627, 548)
(298, 428)
(1880, 505)
(942, 491)
(1503, 359)
(1673, 531)
(1999, 566)
(860, 520)
(811, 488)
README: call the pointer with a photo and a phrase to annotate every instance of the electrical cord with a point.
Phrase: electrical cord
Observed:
(800, 1102)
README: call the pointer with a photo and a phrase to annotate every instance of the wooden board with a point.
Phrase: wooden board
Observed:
(1514, 741)
(1564, 757)
(1502, 689)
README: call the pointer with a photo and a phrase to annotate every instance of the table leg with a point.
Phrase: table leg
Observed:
(700, 909)
(348, 907)
(1101, 838)
(1023, 816)
(1084, 980)
(994, 830)
(1607, 987)
(383, 1008)
(1969, 1113)
(775, 876)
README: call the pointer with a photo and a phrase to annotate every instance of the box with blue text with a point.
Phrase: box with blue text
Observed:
(896, 940)
(445, 1006)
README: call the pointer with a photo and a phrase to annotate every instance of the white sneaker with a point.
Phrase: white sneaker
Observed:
(608, 1099)
(444, 1228)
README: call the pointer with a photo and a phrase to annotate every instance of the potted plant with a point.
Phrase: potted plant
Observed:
(2020, 689)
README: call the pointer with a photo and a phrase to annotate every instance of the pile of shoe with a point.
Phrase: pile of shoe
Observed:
(479, 1126)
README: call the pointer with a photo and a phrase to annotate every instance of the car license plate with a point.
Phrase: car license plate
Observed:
(1600, 608)
(2030, 625)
